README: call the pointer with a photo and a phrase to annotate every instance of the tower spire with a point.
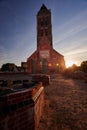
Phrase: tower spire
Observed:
(44, 26)
(43, 7)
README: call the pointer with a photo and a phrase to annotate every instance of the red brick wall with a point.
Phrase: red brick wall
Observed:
(45, 79)
(22, 110)
(53, 58)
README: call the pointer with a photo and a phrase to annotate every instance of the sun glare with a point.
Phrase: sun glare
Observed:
(69, 63)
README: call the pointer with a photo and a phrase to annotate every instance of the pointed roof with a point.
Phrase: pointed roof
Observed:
(43, 9)
(53, 50)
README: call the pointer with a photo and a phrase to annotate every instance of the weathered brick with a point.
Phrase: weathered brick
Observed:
(21, 111)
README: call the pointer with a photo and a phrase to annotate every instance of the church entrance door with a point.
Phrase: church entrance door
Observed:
(44, 66)
(33, 66)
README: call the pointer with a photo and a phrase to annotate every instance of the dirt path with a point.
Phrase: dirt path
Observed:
(65, 105)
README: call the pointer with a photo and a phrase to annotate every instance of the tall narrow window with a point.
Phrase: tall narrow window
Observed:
(46, 32)
(41, 33)
(42, 23)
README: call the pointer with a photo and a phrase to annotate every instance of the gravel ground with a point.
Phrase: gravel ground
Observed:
(65, 105)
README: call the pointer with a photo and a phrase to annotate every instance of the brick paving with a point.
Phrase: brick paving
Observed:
(65, 105)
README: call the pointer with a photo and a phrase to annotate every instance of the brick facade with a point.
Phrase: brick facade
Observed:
(22, 109)
(45, 59)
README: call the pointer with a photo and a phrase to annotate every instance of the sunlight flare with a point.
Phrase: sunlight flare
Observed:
(69, 63)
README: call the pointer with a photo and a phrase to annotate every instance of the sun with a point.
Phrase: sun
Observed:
(69, 63)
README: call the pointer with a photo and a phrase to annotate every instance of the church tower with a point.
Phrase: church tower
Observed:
(44, 26)
(45, 59)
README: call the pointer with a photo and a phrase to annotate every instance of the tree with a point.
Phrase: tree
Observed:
(84, 66)
(74, 67)
(8, 67)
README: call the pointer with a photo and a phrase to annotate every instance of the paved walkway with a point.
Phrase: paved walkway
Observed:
(65, 105)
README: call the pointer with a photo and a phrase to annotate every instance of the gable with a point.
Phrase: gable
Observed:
(57, 53)
(34, 55)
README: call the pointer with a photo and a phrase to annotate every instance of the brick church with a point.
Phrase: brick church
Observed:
(45, 59)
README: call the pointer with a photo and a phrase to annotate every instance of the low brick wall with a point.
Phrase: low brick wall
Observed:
(21, 109)
(15, 78)
(45, 79)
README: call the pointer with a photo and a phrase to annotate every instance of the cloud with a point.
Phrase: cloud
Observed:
(77, 57)
(75, 52)
(75, 19)
(72, 27)
(71, 39)
(75, 44)
(73, 31)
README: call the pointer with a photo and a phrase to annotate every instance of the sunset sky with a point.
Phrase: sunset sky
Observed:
(18, 29)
